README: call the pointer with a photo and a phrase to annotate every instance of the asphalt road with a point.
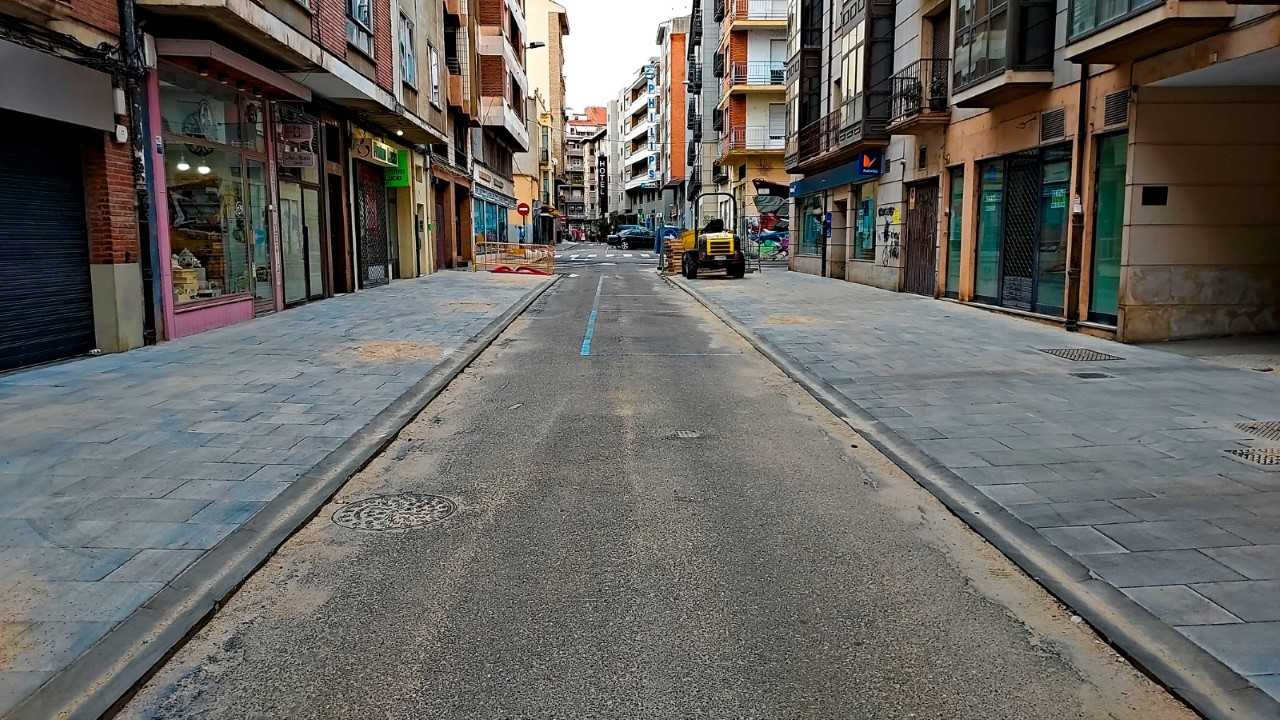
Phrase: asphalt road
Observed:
(654, 524)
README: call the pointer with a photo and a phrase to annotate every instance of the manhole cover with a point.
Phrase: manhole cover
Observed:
(1266, 457)
(1079, 354)
(1091, 375)
(1265, 429)
(394, 512)
(688, 434)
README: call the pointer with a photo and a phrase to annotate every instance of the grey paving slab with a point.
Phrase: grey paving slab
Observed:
(154, 566)
(1083, 540)
(1171, 535)
(116, 472)
(1248, 648)
(1256, 562)
(1180, 605)
(1132, 463)
(1250, 600)
(1157, 567)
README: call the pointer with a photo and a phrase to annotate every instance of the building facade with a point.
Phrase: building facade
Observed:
(751, 113)
(673, 118)
(503, 131)
(238, 160)
(639, 133)
(71, 184)
(1097, 167)
(580, 169)
(703, 87)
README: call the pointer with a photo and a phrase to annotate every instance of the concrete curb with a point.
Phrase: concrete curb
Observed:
(98, 681)
(1204, 682)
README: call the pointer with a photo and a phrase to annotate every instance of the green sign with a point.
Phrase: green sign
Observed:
(398, 177)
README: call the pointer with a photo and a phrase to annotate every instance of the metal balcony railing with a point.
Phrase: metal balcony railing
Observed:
(753, 138)
(759, 73)
(693, 71)
(717, 64)
(454, 65)
(920, 87)
(757, 9)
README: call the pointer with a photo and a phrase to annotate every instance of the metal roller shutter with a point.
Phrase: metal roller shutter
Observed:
(46, 306)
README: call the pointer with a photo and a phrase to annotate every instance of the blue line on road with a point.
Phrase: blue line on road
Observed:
(591, 320)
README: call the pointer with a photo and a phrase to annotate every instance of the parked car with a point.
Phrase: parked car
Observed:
(637, 239)
(615, 238)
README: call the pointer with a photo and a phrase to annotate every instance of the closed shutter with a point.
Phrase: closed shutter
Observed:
(44, 251)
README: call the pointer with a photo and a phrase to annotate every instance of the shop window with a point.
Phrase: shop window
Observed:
(360, 25)
(408, 55)
(214, 142)
(864, 228)
(811, 228)
(990, 231)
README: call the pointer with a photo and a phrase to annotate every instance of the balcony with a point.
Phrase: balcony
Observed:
(752, 140)
(918, 96)
(693, 116)
(695, 27)
(1119, 31)
(746, 14)
(493, 47)
(838, 138)
(717, 64)
(766, 76)
(694, 74)
(497, 113)
(1004, 55)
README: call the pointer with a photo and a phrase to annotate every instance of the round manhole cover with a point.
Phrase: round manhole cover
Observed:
(394, 512)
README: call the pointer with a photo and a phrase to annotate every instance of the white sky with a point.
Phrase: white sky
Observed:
(608, 41)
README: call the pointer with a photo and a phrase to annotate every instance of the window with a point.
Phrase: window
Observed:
(435, 74)
(864, 230)
(408, 57)
(955, 229)
(359, 25)
(852, 67)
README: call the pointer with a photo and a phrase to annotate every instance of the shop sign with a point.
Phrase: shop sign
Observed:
(373, 151)
(398, 177)
(288, 158)
(297, 132)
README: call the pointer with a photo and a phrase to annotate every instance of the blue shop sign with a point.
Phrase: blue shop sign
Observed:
(866, 166)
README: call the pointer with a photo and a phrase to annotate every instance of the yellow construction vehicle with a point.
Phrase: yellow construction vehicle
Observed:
(711, 245)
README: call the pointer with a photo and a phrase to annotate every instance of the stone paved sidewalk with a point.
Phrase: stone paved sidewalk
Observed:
(118, 472)
(1126, 472)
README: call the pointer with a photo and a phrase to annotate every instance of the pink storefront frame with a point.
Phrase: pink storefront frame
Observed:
(181, 321)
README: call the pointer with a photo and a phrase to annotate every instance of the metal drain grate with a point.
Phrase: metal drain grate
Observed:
(1265, 429)
(1079, 354)
(688, 434)
(394, 512)
(1266, 457)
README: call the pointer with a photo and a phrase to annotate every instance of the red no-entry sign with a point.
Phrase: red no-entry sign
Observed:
(523, 209)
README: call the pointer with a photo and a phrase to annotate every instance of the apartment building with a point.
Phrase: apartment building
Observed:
(751, 113)
(579, 168)
(595, 150)
(451, 169)
(702, 153)
(673, 118)
(1104, 167)
(503, 132)
(639, 134)
(548, 27)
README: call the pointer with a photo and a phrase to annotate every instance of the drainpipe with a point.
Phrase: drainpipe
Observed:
(148, 242)
(1075, 253)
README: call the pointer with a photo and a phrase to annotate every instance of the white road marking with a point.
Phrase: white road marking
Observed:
(591, 255)
(628, 255)
(575, 257)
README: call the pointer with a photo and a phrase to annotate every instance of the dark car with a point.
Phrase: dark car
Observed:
(615, 237)
(637, 239)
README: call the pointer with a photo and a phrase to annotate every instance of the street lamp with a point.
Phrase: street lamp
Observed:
(535, 45)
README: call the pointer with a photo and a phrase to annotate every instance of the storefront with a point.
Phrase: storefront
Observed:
(303, 237)
(1022, 230)
(490, 212)
(835, 217)
(375, 229)
(216, 188)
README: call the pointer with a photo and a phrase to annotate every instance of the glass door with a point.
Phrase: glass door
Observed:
(312, 237)
(1051, 252)
(955, 227)
(292, 243)
(1108, 228)
(264, 292)
(990, 231)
